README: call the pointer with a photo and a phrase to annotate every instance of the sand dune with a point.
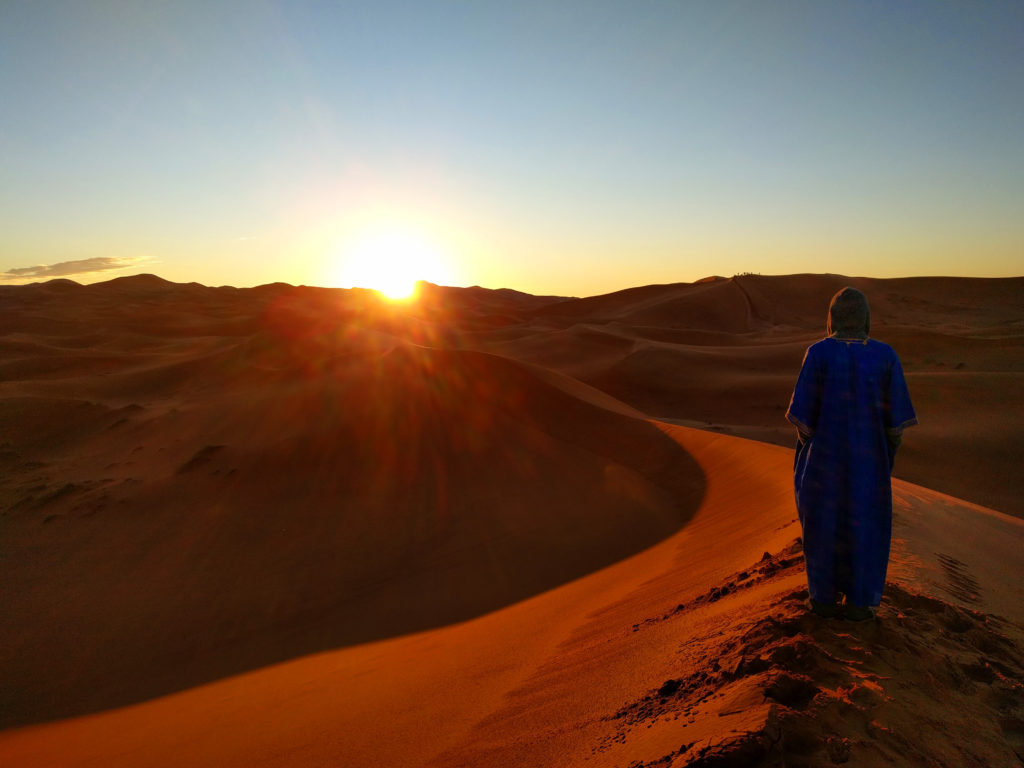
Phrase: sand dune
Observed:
(295, 526)
(696, 649)
(722, 354)
(191, 508)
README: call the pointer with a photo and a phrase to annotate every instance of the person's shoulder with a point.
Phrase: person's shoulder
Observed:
(881, 347)
(883, 350)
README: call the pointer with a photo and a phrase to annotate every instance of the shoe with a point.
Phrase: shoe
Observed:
(858, 613)
(825, 610)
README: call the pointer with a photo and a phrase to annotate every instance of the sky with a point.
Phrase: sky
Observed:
(569, 148)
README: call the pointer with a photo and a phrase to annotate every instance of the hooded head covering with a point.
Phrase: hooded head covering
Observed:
(848, 315)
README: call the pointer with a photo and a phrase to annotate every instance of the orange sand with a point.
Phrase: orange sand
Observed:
(282, 527)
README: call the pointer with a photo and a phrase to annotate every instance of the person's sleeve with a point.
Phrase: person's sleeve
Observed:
(806, 400)
(900, 411)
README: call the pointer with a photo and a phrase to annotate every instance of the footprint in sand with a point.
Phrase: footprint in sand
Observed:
(959, 581)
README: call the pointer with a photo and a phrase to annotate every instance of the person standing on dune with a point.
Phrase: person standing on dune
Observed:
(850, 407)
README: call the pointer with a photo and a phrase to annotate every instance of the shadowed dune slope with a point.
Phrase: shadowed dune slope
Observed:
(182, 500)
(694, 652)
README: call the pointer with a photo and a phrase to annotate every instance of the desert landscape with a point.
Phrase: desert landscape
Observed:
(298, 526)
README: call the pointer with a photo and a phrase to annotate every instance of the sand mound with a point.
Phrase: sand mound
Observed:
(785, 687)
(224, 502)
(722, 306)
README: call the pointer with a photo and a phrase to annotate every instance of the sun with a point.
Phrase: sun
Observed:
(391, 262)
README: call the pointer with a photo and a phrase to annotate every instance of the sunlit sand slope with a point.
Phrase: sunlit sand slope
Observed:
(696, 651)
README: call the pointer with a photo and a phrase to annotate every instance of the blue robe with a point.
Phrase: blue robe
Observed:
(848, 395)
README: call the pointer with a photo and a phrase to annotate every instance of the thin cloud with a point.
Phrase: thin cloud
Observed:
(78, 267)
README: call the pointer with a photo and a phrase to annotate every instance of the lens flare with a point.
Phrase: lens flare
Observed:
(392, 263)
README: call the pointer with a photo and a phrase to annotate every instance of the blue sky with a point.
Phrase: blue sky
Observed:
(554, 147)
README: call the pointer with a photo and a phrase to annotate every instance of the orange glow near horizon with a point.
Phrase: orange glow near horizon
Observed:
(391, 261)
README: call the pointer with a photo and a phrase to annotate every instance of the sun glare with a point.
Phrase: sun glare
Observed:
(392, 263)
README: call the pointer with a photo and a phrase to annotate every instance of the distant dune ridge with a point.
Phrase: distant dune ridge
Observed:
(723, 354)
(302, 526)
